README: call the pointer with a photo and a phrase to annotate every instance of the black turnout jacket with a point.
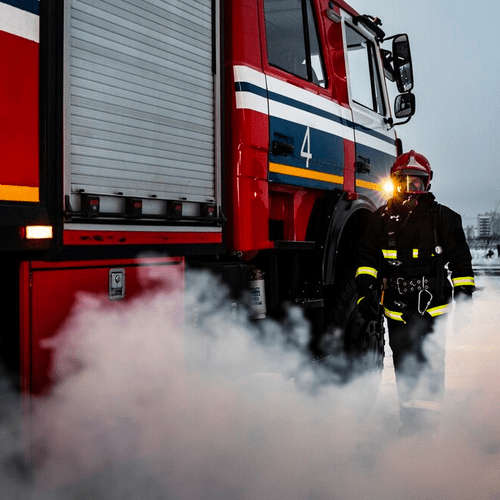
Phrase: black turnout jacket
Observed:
(407, 250)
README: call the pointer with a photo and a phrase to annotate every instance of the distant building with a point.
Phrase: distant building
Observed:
(488, 225)
(484, 226)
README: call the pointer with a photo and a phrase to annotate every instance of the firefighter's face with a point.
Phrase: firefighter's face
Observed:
(409, 184)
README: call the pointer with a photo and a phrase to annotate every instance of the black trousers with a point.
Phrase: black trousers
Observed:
(418, 348)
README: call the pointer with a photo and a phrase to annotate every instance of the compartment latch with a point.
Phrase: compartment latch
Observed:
(116, 284)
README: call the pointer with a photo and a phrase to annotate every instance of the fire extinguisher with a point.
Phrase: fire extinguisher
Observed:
(257, 294)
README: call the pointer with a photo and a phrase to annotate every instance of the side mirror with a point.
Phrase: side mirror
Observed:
(403, 68)
(404, 106)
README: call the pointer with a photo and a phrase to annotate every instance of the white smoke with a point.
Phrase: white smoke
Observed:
(143, 408)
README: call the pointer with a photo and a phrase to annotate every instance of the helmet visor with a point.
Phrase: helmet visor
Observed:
(410, 184)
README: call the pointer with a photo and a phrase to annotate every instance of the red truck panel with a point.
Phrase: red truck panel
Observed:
(48, 292)
(247, 197)
(19, 167)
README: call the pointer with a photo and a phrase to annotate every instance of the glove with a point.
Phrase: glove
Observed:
(368, 300)
(368, 306)
(463, 293)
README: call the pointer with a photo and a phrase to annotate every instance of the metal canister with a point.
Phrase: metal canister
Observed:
(257, 294)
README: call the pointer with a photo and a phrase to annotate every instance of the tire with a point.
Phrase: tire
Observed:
(363, 341)
(351, 346)
(357, 358)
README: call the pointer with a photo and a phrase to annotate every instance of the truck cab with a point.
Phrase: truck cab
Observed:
(312, 85)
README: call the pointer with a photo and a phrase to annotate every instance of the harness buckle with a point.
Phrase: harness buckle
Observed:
(419, 308)
(403, 284)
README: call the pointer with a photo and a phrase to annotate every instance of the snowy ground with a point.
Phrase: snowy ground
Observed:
(480, 259)
(472, 351)
(139, 413)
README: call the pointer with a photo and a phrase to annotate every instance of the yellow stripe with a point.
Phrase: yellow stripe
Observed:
(366, 270)
(368, 185)
(466, 280)
(306, 174)
(396, 316)
(415, 253)
(436, 311)
(278, 168)
(19, 193)
(390, 254)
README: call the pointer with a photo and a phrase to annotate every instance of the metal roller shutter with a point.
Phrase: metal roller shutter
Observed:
(140, 106)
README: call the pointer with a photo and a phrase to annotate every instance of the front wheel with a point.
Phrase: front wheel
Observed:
(350, 345)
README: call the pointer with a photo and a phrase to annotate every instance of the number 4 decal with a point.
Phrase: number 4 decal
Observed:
(305, 150)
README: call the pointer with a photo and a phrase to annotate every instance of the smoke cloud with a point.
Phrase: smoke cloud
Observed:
(142, 408)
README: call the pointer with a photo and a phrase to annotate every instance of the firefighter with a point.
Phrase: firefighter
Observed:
(403, 262)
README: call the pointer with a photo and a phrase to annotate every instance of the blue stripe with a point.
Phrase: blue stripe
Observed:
(310, 109)
(254, 89)
(32, 6)
(374, 133)
(250, 87)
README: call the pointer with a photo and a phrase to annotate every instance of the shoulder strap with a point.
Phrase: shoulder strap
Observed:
(438, 249)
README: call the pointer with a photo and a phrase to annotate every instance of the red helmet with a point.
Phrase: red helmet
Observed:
(416, 169)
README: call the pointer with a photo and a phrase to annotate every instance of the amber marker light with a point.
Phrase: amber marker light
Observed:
(38, 232)
(387, 188)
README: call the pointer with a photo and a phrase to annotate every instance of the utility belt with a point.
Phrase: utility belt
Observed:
(414, 290)
(406, 286)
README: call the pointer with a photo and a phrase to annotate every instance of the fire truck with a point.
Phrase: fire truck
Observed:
(247, 137)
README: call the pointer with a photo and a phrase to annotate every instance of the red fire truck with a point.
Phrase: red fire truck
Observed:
(248, 137)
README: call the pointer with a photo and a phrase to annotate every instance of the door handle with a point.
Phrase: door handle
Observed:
(363, 165)
(282, 148)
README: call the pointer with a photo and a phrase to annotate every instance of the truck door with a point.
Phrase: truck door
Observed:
(307, 127)
(375, 141)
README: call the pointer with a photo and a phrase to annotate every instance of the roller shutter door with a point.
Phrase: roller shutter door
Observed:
(140, 93)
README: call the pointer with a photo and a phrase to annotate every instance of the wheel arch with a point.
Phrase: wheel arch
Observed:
(346, 224)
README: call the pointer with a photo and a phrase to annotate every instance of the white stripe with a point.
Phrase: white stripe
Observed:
(374, 142)
(320, 102)
(306, 118)
(246, 74)
(247, 100)
(421, 405)
(287, 112)
(305, 96)
(290, 113)
(19, 22)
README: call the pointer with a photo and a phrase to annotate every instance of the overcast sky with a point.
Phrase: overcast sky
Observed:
(456, 60)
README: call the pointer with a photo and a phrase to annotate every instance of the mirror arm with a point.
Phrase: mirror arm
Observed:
(387, 65)
(392, 123)
(403, 122)
(389, 121)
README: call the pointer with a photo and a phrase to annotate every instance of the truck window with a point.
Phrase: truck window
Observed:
(292, 39)
(364, 76)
